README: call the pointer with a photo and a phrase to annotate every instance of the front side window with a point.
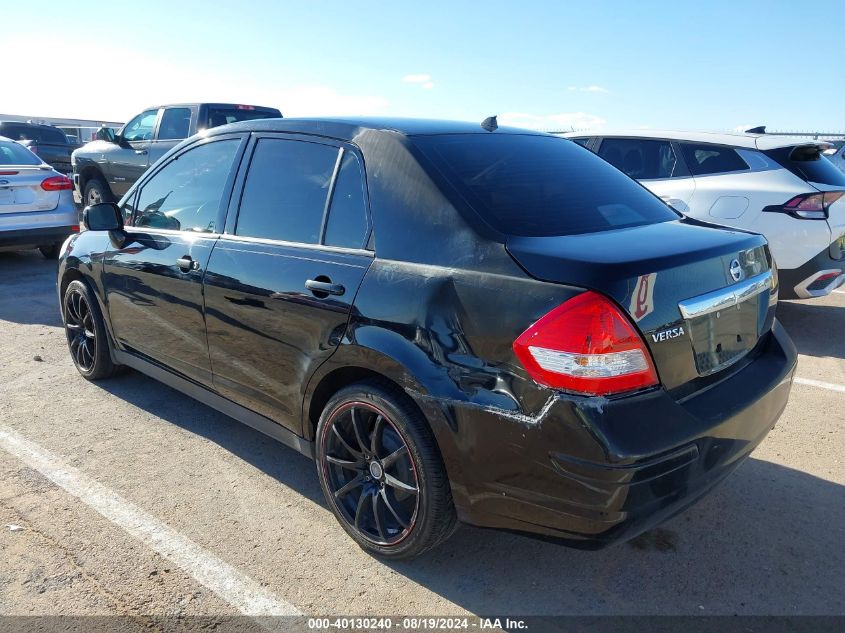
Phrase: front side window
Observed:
(186, 194)
(285, 192)
(705, 160)
(141, 127)
(641, 159)
(175, 124)
(347, 224)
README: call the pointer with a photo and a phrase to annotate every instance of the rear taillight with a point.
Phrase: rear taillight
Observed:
(586, 345)
(808, 206)
(56, 183)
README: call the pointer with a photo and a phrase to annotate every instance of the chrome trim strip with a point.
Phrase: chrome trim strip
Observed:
(726, 297)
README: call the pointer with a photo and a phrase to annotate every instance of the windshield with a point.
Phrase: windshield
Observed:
(532, 185)
(12, 153)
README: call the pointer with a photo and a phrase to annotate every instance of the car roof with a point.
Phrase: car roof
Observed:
(736, 139)
(348, 128)
(207, 103)
(27, 123)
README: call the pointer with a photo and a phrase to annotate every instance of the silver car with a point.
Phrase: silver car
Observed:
(36, 202)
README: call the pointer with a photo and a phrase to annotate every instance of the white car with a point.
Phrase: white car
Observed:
(778, 186)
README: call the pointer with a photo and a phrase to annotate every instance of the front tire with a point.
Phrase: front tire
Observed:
(96, 191)
(86, 333)
(381, 472)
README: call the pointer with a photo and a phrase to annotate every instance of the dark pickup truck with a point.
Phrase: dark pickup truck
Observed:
(49, 142)
(104, 169)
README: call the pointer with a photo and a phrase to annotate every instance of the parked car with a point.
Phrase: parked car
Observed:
(779, 186)
(49, 142)
(105, 169)
(459, 323)
(36, 203)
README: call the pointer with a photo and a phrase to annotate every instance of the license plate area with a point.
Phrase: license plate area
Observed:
(726, 324)
(721, 338)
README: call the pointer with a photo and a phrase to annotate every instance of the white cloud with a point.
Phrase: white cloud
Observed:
(428, 85)
(420, 78)
(164, 82)
(564, 121)
(590, 88)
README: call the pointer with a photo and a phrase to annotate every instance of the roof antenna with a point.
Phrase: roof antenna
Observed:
(490, 123)
(760, 129)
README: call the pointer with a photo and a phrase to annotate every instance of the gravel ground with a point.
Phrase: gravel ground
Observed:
(767, 541)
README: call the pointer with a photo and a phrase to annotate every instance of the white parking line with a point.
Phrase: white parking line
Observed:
(839, 292)
(233, 586)
(821, 385)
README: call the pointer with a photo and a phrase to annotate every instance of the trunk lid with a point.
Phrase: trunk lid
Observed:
(21, 192)
(700, 296)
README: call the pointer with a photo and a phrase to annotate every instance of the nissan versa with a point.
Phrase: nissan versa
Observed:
(458, 322)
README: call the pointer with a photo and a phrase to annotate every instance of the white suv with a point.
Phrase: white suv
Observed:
(779, 186)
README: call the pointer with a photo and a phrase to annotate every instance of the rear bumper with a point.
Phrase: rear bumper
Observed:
(818, 277)
(21, 238)
(594, 471)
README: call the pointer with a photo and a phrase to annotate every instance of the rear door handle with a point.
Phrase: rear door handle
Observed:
(187, 263)
(140, 151)
(324, 287)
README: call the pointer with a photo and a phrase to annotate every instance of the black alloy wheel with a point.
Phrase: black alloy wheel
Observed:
(371, 474)
(381, 471)
(81, 333)
(86, 333)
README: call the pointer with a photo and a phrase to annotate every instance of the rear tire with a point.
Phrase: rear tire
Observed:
(86, 333)
(96, 191)
(381, 471)
(51, 251)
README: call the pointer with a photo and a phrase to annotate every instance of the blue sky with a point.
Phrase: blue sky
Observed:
(714, 65)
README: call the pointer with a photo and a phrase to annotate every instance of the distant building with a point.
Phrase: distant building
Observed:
(80, 130)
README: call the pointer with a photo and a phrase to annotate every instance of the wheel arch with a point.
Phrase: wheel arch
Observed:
(87, 173)
(353, 363)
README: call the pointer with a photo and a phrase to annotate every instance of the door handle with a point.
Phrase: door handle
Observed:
(140, 151)
(187, 264)
(322, 288)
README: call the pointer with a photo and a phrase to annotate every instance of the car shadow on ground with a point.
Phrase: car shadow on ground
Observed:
(773, 530)
(807, 321)
(24, 276)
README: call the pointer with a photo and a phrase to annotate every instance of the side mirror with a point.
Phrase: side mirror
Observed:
(104, 216)
(106, 134)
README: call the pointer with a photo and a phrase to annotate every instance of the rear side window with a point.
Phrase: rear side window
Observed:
(642, 159)
(704, 160)
(185, 194)
(808, 163)
(347, 224)
(583, 142)
(286, 189)
(12, 153)
(19, 133)
(540, 185)
(175, 124)
(218, 116)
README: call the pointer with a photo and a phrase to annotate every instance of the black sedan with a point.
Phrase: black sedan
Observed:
(459, 322)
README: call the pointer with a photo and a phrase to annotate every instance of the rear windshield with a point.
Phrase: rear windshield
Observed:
(540, 185)
(808, 163)
(12, 153)
(221, 116)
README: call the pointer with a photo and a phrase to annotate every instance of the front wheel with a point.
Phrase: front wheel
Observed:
(86, 333)
(96, 191)
(381, 472)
